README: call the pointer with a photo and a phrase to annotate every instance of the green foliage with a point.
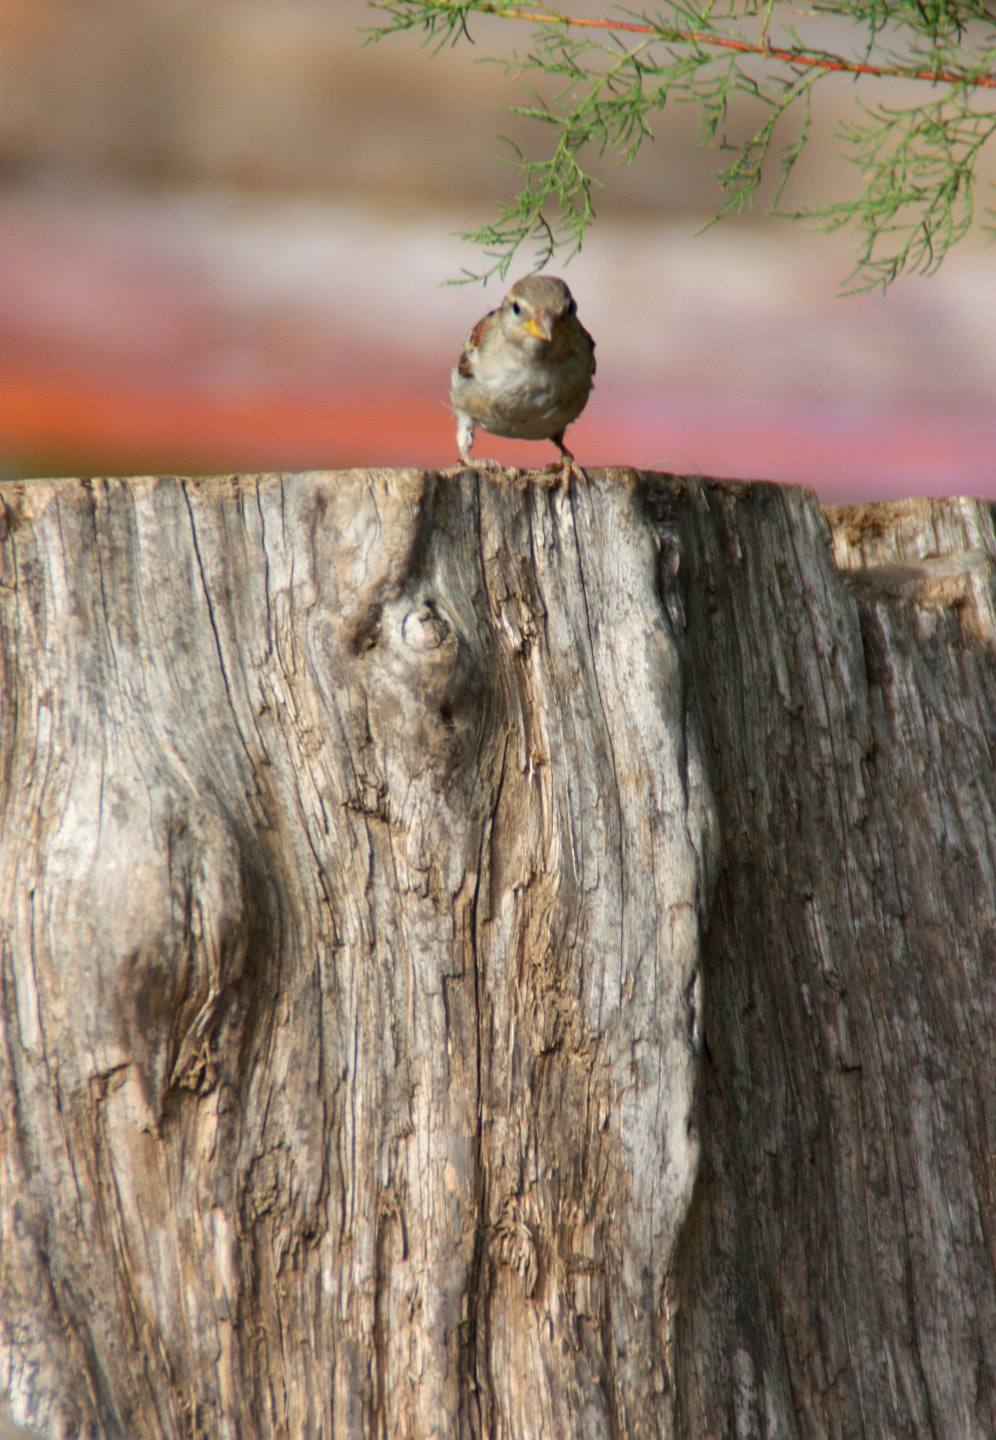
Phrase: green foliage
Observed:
(917, 197)
(603, 79)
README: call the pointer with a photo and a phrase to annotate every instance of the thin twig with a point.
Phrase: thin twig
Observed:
(800, 58)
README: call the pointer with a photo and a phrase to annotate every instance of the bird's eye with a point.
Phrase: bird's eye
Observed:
(572, 306)
(516, 308)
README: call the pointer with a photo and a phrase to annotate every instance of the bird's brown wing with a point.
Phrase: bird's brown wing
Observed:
(473, 340)
(591, 345)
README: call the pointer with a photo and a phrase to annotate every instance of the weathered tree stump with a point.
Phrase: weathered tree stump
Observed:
(479, 962)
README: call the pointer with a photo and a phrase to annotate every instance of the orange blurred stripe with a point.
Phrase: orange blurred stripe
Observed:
(76, 414)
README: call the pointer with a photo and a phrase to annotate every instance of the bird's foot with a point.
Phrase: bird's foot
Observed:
(560, 473)
(468, 462)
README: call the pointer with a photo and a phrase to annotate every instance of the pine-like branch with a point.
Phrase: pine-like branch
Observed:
(794, 56)
(915, 198)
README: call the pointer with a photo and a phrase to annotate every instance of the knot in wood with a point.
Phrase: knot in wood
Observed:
(425, 629)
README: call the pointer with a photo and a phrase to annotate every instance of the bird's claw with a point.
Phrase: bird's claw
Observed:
(561, 472)
(468, 462)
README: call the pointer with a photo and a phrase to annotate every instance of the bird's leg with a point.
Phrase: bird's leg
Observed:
(465, 438)
(569, 466)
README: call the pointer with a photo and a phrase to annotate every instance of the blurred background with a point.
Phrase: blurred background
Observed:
(224, 228)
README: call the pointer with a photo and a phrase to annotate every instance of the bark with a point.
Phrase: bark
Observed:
(839, 1269)
(479, 962)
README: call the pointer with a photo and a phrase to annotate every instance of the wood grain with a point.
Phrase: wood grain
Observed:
(478, 962)
(354, 843)
(838, 1275)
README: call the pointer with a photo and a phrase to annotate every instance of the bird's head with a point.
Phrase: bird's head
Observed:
(534, 310)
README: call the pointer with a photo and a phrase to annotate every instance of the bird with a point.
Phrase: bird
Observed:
(526, 370)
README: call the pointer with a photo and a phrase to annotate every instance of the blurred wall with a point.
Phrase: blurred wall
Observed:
(223, 227)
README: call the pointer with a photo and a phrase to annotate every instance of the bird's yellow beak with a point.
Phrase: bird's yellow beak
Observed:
(543, 324)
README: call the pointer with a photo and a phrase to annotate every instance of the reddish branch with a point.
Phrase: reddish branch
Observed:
(801, 58)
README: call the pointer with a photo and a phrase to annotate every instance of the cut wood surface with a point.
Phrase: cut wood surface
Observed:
(484, 962)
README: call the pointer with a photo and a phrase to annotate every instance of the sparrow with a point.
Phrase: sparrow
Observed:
(526, 370)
